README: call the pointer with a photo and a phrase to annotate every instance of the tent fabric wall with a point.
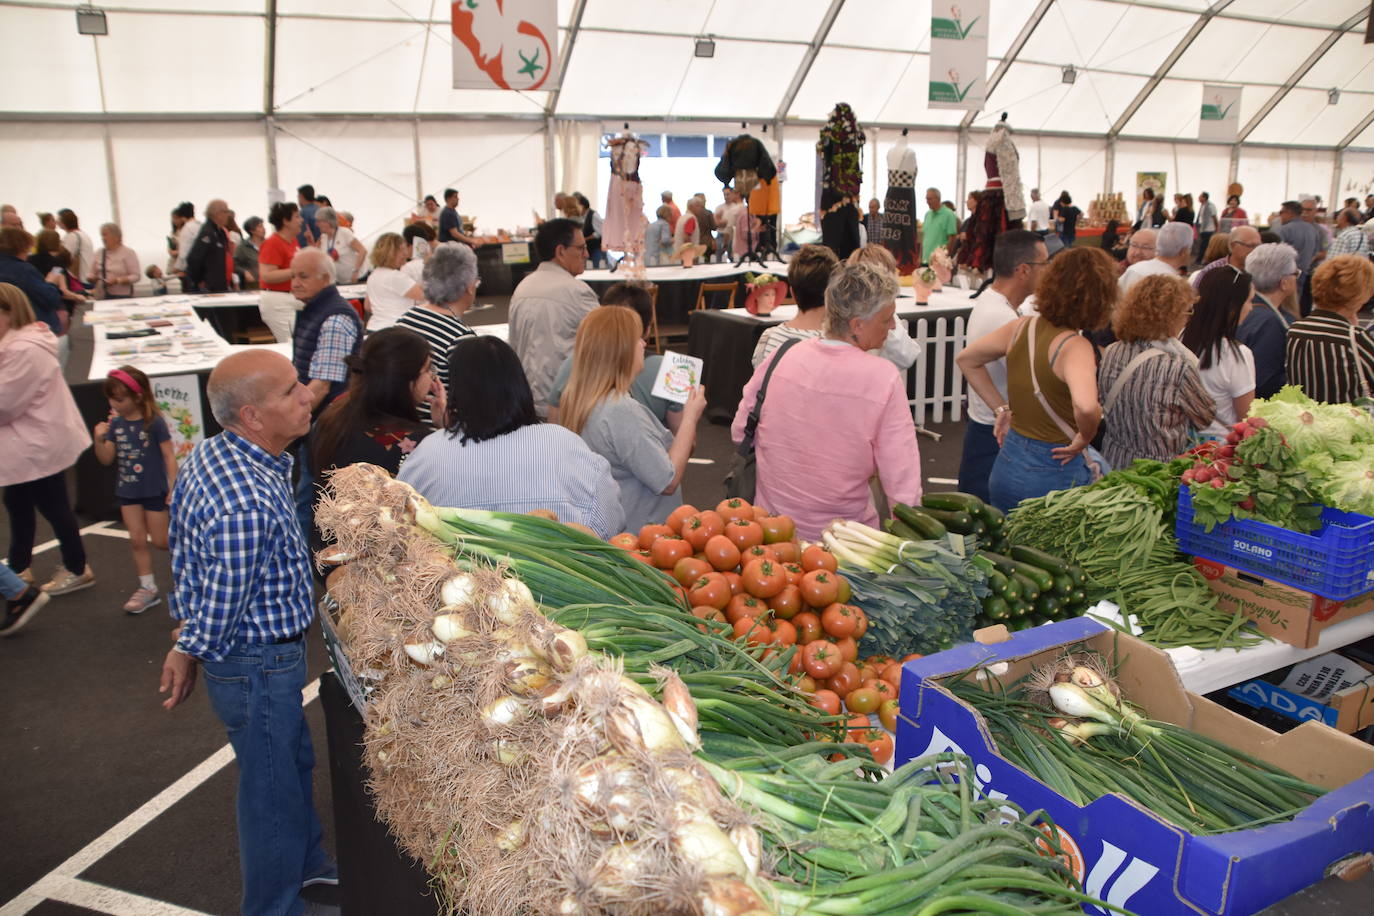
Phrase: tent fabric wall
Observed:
(497, 169)
(60, 165)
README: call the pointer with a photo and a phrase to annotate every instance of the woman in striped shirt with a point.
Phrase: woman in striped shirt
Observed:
(450, 284)
(1151, 390)
(1329, 355)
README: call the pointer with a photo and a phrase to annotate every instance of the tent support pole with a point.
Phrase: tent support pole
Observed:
(1163, 69)
(1109, 167)
(419, 176)
(549, 188)
(1234, 169)
(961, 169)
(270, 137)
(1333, 202)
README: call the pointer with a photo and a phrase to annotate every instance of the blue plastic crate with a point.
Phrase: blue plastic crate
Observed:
(1336, 562)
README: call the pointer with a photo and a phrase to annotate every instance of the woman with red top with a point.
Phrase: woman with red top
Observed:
(277, 306)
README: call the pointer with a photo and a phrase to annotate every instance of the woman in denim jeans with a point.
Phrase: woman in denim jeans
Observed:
(1053, 412)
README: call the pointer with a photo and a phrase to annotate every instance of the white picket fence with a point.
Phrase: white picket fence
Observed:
(938, 384)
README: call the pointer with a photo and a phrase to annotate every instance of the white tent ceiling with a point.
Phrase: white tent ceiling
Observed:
(189, 99)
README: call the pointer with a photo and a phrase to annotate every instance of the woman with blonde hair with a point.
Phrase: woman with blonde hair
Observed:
(390, 293)
(1152, 390)
(1329, 355)
(647, 461)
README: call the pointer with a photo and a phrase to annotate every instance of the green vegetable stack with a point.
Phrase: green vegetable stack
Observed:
(1254, 474)
(1333, 443)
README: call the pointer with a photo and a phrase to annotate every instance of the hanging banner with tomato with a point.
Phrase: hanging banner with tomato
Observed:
(504, 44)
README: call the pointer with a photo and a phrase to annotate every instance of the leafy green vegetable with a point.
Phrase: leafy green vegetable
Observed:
(1312, 428)
(1346, 485)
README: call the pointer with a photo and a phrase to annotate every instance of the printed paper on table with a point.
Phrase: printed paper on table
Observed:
(677, 375)
(505, 45)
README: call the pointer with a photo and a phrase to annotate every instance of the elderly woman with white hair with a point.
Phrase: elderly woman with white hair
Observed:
(1273, 268)
(450, 284)
(832, 383)
(342, 246)
(115, 269)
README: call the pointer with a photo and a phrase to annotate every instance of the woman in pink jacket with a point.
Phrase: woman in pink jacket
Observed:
(834, 415)
(41, 435)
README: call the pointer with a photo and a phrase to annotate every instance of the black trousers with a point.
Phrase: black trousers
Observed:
(49, 496)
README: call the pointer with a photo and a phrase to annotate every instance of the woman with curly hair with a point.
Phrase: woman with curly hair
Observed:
(1328, 354)
(1052, 413)
(1152, 390)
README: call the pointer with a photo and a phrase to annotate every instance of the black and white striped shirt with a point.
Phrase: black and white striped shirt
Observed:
(442, 330)
(1331, 359)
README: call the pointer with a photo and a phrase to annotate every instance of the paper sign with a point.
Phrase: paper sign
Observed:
(677, 375)
(1220, 115)
(958, 54)
(178, 397)
(1318, 678)
(504, 45)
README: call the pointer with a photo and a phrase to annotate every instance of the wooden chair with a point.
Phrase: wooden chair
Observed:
(677, 333)
(653, 329)
(713, 288)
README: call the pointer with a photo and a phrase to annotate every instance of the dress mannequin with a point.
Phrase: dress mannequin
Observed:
(1003, 206)
(625, 223)
(748, 165)
(839, 147)
(899, 208)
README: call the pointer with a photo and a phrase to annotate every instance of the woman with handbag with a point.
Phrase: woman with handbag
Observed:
(833, 414)
(1052, 415)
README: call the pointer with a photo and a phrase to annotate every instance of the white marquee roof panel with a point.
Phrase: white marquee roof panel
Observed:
(1108, 36)
(1303, 116)
(1348, 64)
(864, 79)
(30, 42)
(1237, 51)
(882, 24)
(1316, 12)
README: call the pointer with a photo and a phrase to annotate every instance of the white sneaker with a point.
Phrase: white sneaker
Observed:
(64, 581)
(141, 600)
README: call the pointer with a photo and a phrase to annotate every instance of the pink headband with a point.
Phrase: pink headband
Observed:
(120, 375)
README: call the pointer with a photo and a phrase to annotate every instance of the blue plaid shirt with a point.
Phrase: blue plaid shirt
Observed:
(240, 566)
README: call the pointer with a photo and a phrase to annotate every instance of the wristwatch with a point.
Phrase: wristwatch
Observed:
(998, 410)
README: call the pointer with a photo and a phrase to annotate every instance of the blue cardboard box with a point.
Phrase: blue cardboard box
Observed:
(1123, 853)
(1347, 710)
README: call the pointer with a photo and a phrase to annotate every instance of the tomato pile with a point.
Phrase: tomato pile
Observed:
(740, 564)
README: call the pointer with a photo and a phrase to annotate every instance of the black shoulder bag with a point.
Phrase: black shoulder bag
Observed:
(740, 483)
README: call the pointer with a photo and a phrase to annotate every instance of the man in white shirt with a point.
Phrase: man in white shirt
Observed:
(78, 244)
(1038, 213)
(549, 304)
(1173, 251)
(1017, 261)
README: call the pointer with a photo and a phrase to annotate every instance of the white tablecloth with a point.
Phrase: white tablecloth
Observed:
(207, 300)
(679, 274)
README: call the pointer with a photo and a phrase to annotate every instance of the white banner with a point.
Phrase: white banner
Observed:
(958, 54)
(504, 45)
(1220, 116)
(178, 397)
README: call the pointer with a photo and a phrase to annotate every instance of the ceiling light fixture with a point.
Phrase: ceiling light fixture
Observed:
(91, 21)
(705, 48)
(1333, 96)
(1070, 74)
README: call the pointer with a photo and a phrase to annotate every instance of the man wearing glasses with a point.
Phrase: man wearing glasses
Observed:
(549, 304)
(1244, 239)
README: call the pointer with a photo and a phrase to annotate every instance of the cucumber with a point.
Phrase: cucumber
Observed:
(1013, 592)
(1029, 589)
(1077, 574)
(1048, 605)
(992, 517)
(1022, 609)
(1063, 586)
(996, 609)
(918, 521)
(1039, 558)
(953, 502)
(1078, 597)
(959, 522)
(997, 583)
(1005, 564)
(902, 530)
(1043, 580)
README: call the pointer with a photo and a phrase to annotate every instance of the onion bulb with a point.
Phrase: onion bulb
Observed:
(504, 711)
(459, 590)
(424, 653)
(706, 846)
(527, 676)
(682, 711)
(746, 840)
(510, 601)
(1071, 700)
(512, 837)
(565, 648)
(732, 897)
(638, 723)
(449, 627)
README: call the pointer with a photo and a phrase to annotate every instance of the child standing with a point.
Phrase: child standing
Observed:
(137, 436)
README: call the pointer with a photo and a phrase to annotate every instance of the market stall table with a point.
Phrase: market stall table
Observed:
(678, 286)
(230, 314)
(725, 340)
(502, 265)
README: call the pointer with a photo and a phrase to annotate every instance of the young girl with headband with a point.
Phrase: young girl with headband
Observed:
(137, 436)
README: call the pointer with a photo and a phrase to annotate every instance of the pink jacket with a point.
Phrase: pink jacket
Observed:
(834, 416)
(41, 431)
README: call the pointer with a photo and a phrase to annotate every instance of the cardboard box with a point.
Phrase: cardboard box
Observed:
(1288, 614)
(1123, 853)
(1347, 710)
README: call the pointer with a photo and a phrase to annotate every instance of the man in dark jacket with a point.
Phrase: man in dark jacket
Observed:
(210, 263)
(15, 245)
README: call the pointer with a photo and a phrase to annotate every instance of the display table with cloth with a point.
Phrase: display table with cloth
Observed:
(230, 314)
(678, 286)
(725, 338)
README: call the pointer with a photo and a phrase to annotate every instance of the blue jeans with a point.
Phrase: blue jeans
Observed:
(11, 586)
(975, 464)
(1025, 469)
(256, 692)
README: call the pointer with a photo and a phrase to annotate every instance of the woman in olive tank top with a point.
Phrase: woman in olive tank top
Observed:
(1043, 433)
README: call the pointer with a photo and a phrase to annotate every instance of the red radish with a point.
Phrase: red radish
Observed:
(1218, 483)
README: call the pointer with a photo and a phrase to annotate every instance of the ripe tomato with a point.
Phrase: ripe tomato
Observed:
(882, 688)
(818, 588)
(707, 613)
(712, 590)
(642, 555)
(787, 603)
(690, 569)
(678, 516)
(784, 634)
(777, 528)
(867, 670)
(817, 557)
(893, 675)
(744, 533)
(763, 578)
(806, 683)
(752, 631)
(821, 659)
(838, 621)
(887, 714)
(849, 650)
(744, 606)
(736, 584)
(667, 551)
(827, 701)
(650, 533)
(626, 541)
(846, 679)
(808, 626)
(721, 553)
(794, 573)
(735, 508)
(698, 529)
(863, 700)
(757, 552)
(912, 657)
(862, 621)
(857, 727)
(787, 551)
(879, 745)
(845, 591)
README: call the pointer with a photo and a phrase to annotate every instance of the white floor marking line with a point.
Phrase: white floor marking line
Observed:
(111, 532)
(943, 481)
(102, 845)
(104, 899)
(97, 528)
(701, 461)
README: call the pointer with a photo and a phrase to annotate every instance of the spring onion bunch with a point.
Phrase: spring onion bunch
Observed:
(919, 596)
(1090, 742)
